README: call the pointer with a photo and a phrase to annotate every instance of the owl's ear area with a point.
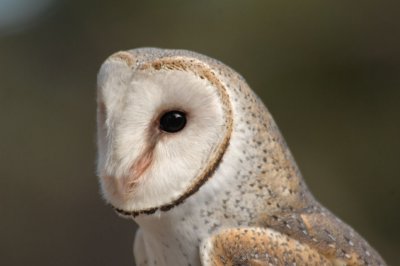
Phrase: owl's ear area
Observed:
(259, 246)
(115, 70)
(123, 56)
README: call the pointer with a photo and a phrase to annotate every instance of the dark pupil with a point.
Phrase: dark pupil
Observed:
(173, 121)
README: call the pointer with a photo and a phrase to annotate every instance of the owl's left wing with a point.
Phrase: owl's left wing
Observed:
(258, 246)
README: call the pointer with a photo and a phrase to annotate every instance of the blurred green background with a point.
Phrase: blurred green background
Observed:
(327, 70)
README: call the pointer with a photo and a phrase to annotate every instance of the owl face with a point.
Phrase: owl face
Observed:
(163, 126)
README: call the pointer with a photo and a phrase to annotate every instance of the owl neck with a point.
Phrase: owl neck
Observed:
(255, 179)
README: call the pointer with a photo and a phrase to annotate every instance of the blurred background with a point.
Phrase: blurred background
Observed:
(327, 70)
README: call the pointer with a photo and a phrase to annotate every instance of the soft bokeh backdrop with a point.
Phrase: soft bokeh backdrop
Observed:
(327, 70)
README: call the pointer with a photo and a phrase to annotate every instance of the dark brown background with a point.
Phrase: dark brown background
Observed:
(328, 71)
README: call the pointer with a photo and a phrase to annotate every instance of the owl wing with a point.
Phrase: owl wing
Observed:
(258, 246)
(320, 230)
(311, 236)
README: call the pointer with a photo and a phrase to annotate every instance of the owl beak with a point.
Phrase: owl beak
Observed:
(126, 185)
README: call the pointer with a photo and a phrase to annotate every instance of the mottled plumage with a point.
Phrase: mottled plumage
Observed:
(225, 189)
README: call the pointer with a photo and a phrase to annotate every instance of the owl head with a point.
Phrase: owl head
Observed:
(164, 123)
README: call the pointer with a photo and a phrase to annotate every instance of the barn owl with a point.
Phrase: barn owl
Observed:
(188, 151)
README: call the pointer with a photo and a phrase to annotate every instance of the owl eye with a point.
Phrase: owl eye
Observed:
(173, 121)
